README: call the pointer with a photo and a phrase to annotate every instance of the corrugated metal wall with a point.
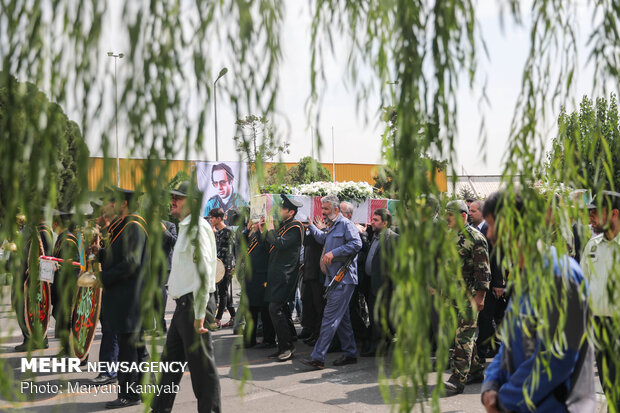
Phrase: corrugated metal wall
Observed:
(101, 173)
(356, 172)
(104, 173)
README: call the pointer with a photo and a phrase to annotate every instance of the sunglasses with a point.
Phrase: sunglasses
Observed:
(220, 183)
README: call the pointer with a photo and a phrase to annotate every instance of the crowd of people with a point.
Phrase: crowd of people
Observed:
(341, 271)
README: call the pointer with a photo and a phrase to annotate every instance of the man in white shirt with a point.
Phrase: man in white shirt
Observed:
(192, 280)
(601, 265)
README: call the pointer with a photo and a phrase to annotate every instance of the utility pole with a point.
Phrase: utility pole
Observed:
(222, 73)
(118, 162)
(333, 157)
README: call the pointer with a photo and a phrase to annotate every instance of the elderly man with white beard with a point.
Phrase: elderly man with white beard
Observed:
(341, 243)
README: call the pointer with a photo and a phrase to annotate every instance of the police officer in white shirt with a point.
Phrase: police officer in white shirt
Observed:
(601, 265)
(192, 280)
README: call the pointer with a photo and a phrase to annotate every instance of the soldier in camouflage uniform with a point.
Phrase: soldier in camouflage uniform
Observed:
(472, 247)
(225, 241)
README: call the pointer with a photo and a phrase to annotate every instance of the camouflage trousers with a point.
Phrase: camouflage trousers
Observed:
(465, 358)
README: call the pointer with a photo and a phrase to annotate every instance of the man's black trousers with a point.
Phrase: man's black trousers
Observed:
(269, 335)
(281, 319)
(185, 345)
(131, 349)
(312, 301)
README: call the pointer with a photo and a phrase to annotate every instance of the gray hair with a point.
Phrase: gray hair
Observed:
(331, 199)
(346, 207)
(479, 203)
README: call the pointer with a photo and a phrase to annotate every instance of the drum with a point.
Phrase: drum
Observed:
(220, 271)
(37, 305)
(86, 308)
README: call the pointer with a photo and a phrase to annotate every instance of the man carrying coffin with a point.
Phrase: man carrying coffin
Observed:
(341, 243)
(283, 272)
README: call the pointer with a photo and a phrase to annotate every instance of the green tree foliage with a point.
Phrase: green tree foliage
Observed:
(466, 192)
(275, 174)
(32, 119)
(384, 182)
(255, 140)
(307, 171)
(589, 140)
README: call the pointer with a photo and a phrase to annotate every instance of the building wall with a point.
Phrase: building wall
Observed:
(101, 173)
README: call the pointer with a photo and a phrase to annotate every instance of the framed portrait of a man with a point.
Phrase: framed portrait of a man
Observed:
(224, 185)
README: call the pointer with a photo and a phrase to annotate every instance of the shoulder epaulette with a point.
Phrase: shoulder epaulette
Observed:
(131, 219)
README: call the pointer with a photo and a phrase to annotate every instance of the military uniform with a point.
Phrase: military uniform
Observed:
(224, 239)
(473, 250)
(64, 286)
(255, 286)
(282, 275)
(125, 265)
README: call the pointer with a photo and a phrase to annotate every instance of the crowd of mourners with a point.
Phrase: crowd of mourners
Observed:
(336, 276)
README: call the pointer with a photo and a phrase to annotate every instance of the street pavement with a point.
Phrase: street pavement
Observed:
(271, 386)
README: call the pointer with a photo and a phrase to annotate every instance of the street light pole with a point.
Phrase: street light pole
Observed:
(118, 162)
(333, 157)
(222, 73)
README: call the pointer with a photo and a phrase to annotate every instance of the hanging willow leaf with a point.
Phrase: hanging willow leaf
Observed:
(56, 86)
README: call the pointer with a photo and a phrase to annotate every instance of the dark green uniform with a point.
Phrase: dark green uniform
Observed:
(476, 273)
(282, 276)
(256, 280)
(284, 256)
(125, 263)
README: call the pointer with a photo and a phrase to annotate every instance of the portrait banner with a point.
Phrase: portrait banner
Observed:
(224, 185)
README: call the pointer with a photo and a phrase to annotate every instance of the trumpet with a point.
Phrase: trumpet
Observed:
(88, 278)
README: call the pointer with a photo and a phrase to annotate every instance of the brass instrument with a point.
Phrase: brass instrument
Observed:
(89, 277)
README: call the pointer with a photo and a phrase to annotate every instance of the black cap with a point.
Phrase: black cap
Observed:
(126, 194)
(180, 189)
(291, 203)
(184, 188)
(610, 200)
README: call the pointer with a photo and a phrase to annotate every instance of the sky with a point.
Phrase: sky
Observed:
(356, 141)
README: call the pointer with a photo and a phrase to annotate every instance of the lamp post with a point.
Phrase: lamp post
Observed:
(222, 73)
(118, 162)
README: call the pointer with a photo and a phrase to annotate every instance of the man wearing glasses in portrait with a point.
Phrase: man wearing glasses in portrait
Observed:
(226, 198)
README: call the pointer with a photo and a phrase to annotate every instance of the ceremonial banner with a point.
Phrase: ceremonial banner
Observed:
(224, 185)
